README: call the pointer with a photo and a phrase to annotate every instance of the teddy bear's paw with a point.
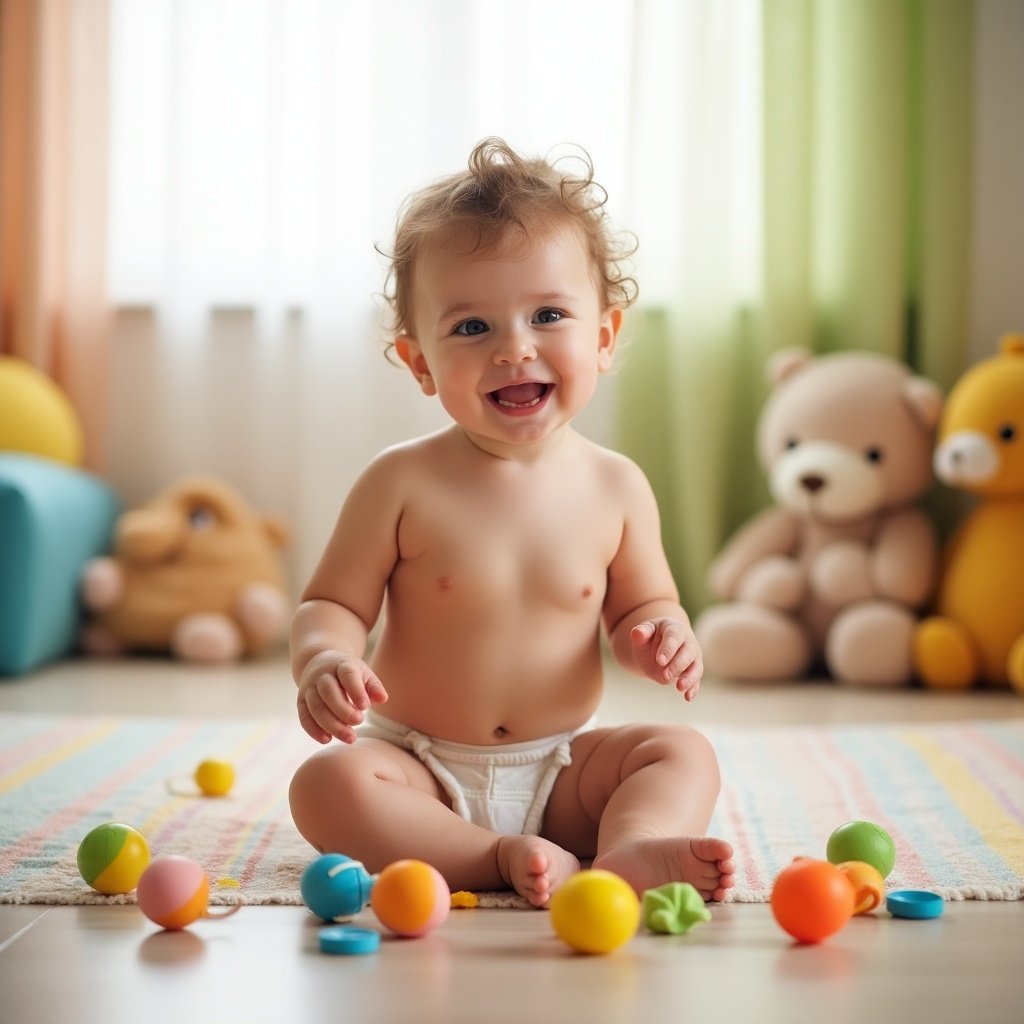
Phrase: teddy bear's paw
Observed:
(1015, 665)
(263, 611)
(752, 643)
(101, 584)
(207, 638)
(944, 655)
(775, 582)
(871, 644)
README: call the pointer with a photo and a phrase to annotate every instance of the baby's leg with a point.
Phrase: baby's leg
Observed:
(378, 803)
(639, 799)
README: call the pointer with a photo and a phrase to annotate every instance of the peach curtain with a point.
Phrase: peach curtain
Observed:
(53, 153)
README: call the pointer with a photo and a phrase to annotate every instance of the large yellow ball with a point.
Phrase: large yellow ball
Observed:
(36, 417)
(595, 912)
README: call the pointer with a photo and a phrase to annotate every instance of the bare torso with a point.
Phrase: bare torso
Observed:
(493, 610)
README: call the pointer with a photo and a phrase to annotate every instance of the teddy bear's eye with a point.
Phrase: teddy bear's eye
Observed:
(1007, 432)
(201, 517)
(791, 442)
(874, 454)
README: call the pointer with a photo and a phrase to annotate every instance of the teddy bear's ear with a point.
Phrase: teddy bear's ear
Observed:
(924, 399)
(277, 530)
(786, 362)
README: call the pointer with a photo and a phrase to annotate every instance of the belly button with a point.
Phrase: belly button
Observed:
(444, 583)
(501, 732)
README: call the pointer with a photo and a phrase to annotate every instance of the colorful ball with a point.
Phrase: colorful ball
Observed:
(112, 857)
(595, 911)
(864, 841)
(812, 899)
(410, 898)
(215, 778)
(173, 892)
(334, 886)
(868, 885)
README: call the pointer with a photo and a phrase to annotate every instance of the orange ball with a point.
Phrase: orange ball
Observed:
(812, 899)
(410, 898)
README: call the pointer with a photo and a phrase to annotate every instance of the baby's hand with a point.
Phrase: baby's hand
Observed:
(666, 651)
(334, 691)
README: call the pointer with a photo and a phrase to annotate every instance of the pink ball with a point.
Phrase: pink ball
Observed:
(173, 892)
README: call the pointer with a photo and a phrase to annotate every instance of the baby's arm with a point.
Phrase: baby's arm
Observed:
(340, 605)
(649, 631)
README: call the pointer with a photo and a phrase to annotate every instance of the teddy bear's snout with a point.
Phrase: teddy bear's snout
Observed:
(812, 482)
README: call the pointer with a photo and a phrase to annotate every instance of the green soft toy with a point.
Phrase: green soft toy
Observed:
(977, 633)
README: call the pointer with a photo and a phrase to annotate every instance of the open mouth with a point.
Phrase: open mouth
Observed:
(519, 397)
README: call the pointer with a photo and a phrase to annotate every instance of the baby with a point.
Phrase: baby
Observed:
(499, 546)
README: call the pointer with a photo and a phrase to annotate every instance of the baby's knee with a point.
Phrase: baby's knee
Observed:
(681, 745)
(318, 787)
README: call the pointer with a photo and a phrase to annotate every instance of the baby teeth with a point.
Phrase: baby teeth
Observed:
(518, 405)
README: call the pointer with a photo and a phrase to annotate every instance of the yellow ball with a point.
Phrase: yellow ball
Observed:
(595, 912)
(36, 417)
(215, 778)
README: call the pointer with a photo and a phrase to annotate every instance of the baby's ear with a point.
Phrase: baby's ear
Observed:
(611, 324)
(411, 354)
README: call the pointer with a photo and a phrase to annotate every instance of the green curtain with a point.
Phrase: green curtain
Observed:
(867, 133)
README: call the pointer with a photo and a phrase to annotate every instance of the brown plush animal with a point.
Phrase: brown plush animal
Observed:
(833, 573)
(194, 572)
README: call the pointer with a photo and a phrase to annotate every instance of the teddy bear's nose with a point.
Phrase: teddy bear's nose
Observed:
(812, 482)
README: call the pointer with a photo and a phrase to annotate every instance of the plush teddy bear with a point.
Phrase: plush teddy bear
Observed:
(831, 574)
(977, 634)
(195, 572)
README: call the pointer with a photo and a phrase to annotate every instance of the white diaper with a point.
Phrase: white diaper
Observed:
(504, 788)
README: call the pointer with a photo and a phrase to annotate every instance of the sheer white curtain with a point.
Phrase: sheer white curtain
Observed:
(260, 150)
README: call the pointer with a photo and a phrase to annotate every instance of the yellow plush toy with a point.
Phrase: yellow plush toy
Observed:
(195, 572)
(978, 632)
(36, 417)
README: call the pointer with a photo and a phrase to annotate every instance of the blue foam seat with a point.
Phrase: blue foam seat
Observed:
(53, 519)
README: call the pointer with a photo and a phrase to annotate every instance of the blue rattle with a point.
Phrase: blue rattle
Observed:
(335, 886)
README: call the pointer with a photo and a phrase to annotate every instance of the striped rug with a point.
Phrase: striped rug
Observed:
(951, 796)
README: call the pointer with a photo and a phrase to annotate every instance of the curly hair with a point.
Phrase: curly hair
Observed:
(503, 194)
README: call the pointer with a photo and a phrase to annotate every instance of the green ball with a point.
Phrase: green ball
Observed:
(865, 841)
(112, 857)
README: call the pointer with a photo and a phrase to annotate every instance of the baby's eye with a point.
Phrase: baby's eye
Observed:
(470, 327)
(201, 517)
(547, 316)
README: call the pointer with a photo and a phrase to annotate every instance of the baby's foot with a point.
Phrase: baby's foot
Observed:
(534, 867)
(706, 863)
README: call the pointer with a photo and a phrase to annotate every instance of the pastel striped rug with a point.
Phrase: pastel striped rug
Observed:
(951, 795)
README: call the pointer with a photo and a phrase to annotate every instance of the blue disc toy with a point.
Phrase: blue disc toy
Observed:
(335, 886)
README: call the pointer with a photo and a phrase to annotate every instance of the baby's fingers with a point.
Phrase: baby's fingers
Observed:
(320, 721)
